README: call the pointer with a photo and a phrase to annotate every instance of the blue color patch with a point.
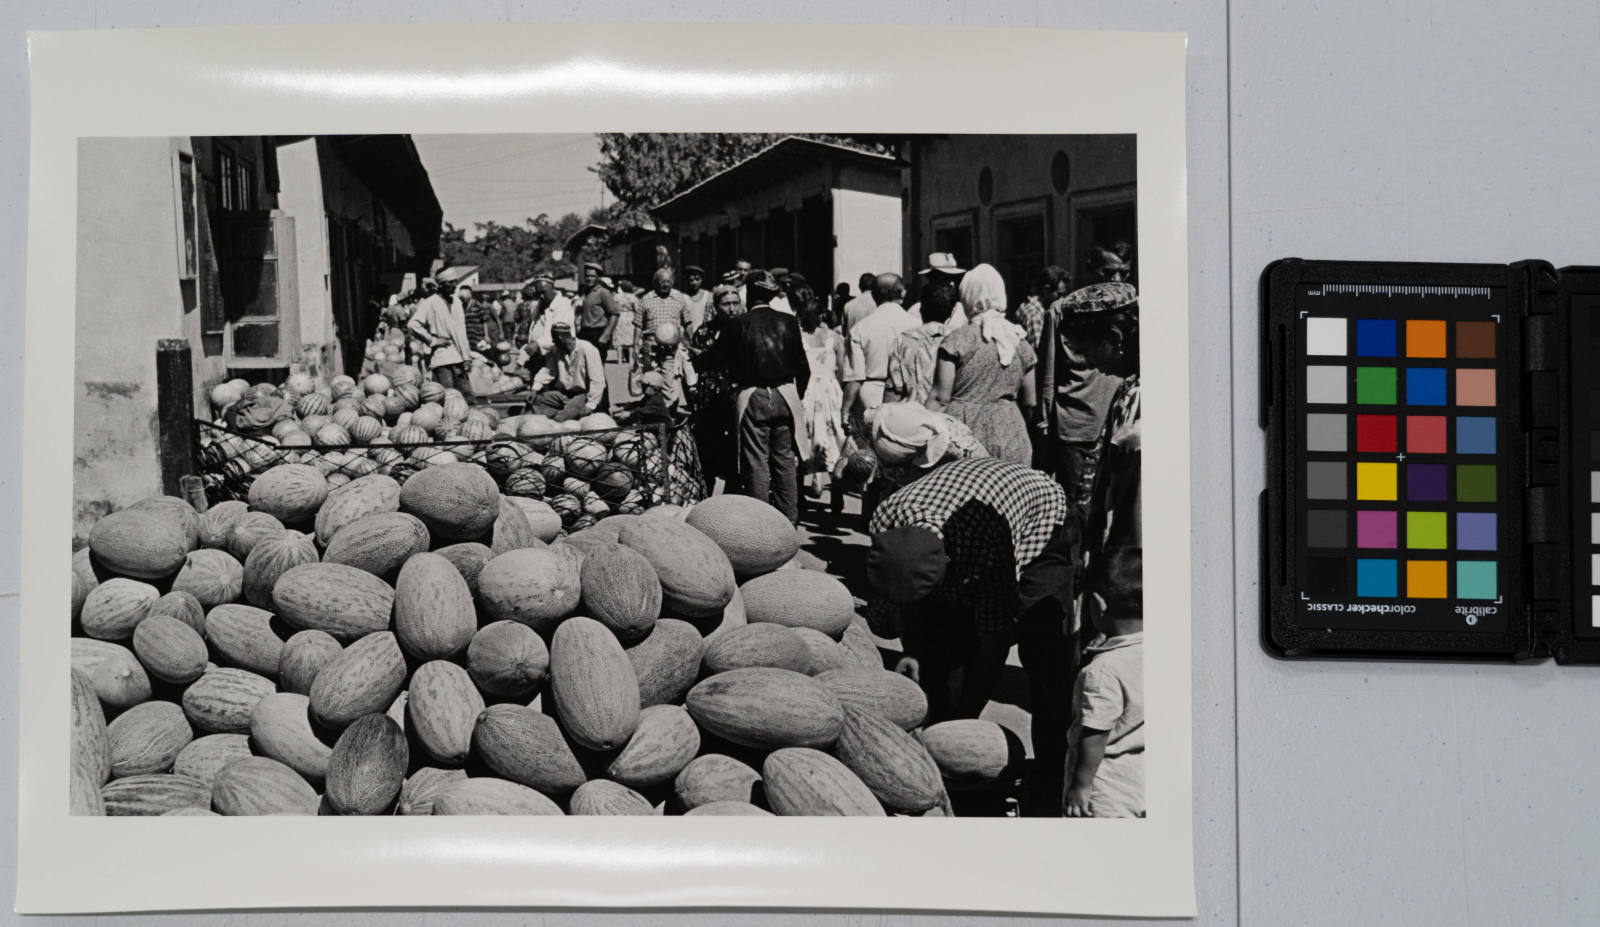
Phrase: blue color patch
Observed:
(1377, 579)
(1376, 337)
(1425, 386)
(1474, 435)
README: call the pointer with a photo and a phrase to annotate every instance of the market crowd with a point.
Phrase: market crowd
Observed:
(993, 437)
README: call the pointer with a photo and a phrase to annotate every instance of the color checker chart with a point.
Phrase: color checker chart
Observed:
(1403, 490)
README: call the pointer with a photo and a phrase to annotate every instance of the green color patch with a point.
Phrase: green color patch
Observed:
(1375, 386)
(1475, 483)
(1426, 530)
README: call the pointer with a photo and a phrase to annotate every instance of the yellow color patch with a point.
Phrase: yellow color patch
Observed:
(1425, 579)
(1376, 481)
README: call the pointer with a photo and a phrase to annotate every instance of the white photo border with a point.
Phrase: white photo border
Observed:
(635, 77)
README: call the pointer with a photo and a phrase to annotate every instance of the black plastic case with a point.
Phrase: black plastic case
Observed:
(1550, 405)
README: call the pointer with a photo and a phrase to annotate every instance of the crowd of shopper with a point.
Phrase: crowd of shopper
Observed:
(993, 437)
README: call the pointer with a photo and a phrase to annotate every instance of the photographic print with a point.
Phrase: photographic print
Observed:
(639, 475)
(430, 511)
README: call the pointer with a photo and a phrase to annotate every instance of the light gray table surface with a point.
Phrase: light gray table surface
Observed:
(1325, 793)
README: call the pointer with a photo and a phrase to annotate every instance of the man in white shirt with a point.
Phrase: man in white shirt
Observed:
(870, 343)
(442, 327)
(572, 382)
(862, 305)
(698, 297)
(554, 309)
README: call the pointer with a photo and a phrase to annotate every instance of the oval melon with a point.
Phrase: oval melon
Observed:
(890, 762)
(258, 785)
(250, 529)
(113, 609)
(211, 576)
(667, 662)
(527, 747)
(220, 702)
(342, 600)
(469, 558)
(803, 781)
(269, 559)
(696, 578)
(373, 494)
(169, 649)
(799, 599)
(434, 617)
(118, 678)
(379, 543)
(442, 707)
(602, 796)
(243, 636)
(508, 659)
(536, 586)
(416, 796)
(182, 606)
(886, 694)
(218, 520)
(152, 794)
(766, 708)
(281, 728)
(368, 766)
(457, 501)
(716, 778)
(512, 530)
(206, 756)
(756, 645)
(491, 796)
(973, 750)
(361, 680)
(304, 655)
(592, 684)
(291, 493)
(756, 537)
(542, 519)
(139, 543)
(664, 742)
(620, 590)
(91, 746)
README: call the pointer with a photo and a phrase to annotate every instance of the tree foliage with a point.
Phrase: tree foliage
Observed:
(510, 253)
(642, 169)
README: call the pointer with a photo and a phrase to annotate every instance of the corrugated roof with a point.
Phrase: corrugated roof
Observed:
(763, 169)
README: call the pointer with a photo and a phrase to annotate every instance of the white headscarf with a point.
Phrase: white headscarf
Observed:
(909, 433)
(983, 292)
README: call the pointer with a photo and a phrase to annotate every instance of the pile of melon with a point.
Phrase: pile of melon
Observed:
(444, 648)
(585, 469)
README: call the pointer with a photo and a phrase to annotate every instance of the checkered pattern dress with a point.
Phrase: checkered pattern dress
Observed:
(994, 517)
(1030, 315)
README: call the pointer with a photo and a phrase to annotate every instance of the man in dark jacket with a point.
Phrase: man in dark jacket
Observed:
(766, 362)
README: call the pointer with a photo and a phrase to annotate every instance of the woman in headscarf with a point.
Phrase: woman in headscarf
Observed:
(909, 439)
(711, 394)
(985, 373)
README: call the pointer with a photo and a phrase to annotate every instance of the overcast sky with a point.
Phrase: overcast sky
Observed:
(510, 178)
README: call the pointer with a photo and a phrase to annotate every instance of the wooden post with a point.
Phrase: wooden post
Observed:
(194, 490)
(174, 413)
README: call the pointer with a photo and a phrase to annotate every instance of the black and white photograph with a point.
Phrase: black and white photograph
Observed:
(608, 474)
(585, 467)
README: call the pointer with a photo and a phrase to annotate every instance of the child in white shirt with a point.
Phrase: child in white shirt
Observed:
(1105, 746)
